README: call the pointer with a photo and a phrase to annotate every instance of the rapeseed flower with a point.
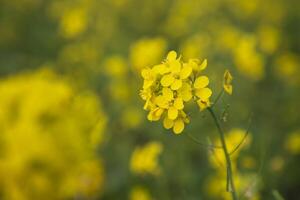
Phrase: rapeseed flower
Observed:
(169, 85)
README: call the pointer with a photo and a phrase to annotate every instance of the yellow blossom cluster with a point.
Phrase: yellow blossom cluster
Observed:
(170, 85)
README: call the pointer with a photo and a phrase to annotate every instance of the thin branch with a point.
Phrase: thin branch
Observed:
(218, 97)
(254, 180)
(212, 151)
(244, 138)
(226, 154)
(209, 146)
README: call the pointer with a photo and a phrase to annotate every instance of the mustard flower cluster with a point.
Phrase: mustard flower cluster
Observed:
(170, 85)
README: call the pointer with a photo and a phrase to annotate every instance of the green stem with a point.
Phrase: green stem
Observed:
(227, 156)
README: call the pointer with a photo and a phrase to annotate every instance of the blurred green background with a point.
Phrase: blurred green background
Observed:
(71, 120)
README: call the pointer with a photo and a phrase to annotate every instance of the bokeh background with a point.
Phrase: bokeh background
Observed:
(71, 119)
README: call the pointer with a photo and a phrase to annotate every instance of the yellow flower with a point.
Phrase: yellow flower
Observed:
(227, 82)
(177, 72)
(171, 84)
(144, 160)
(178, 123)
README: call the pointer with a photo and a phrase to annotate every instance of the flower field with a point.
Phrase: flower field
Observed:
(149, 100)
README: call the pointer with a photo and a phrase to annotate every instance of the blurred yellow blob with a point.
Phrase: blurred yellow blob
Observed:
(73, 22)
(144, 159)
(248, 162)
(277, 163)
(132, 117)
(147, 52)
(115, 66)
(247, 60)
(287, 68)
(195, 46)
(268, 37)
(139, 193)
(49, 132)
(292, 143)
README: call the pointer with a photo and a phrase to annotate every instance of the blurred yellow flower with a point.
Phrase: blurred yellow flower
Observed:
(248, 61)
(49, 132)
(227, 82)
(144, 159)
(147, 52)
(268, 38)
(292, 143)
(115, 66)
(287, 68)
(132, 117)
(73, 22)
(139, 193)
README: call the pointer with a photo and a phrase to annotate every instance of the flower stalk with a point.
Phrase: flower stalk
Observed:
(230, 180)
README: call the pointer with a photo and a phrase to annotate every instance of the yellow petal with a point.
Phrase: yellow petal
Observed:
(193, 63)
(203, 104)
(201, 82)
(203, 93)
(186, 71)
(151, 116)
(178, 126)
(203, 65)
(228, 89)
(168, 123)
(184, 117)
(167, 80)
(176, 84)
(147, 83)
(167, 93)
(145, 73)
(185, 92)
(172, 113)
(175, 66)
(160, 69)
(187, 96)
(227, 77)
(172, 55)
(161, 102)
(159, 112)
(178, 103)
(146, 105)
